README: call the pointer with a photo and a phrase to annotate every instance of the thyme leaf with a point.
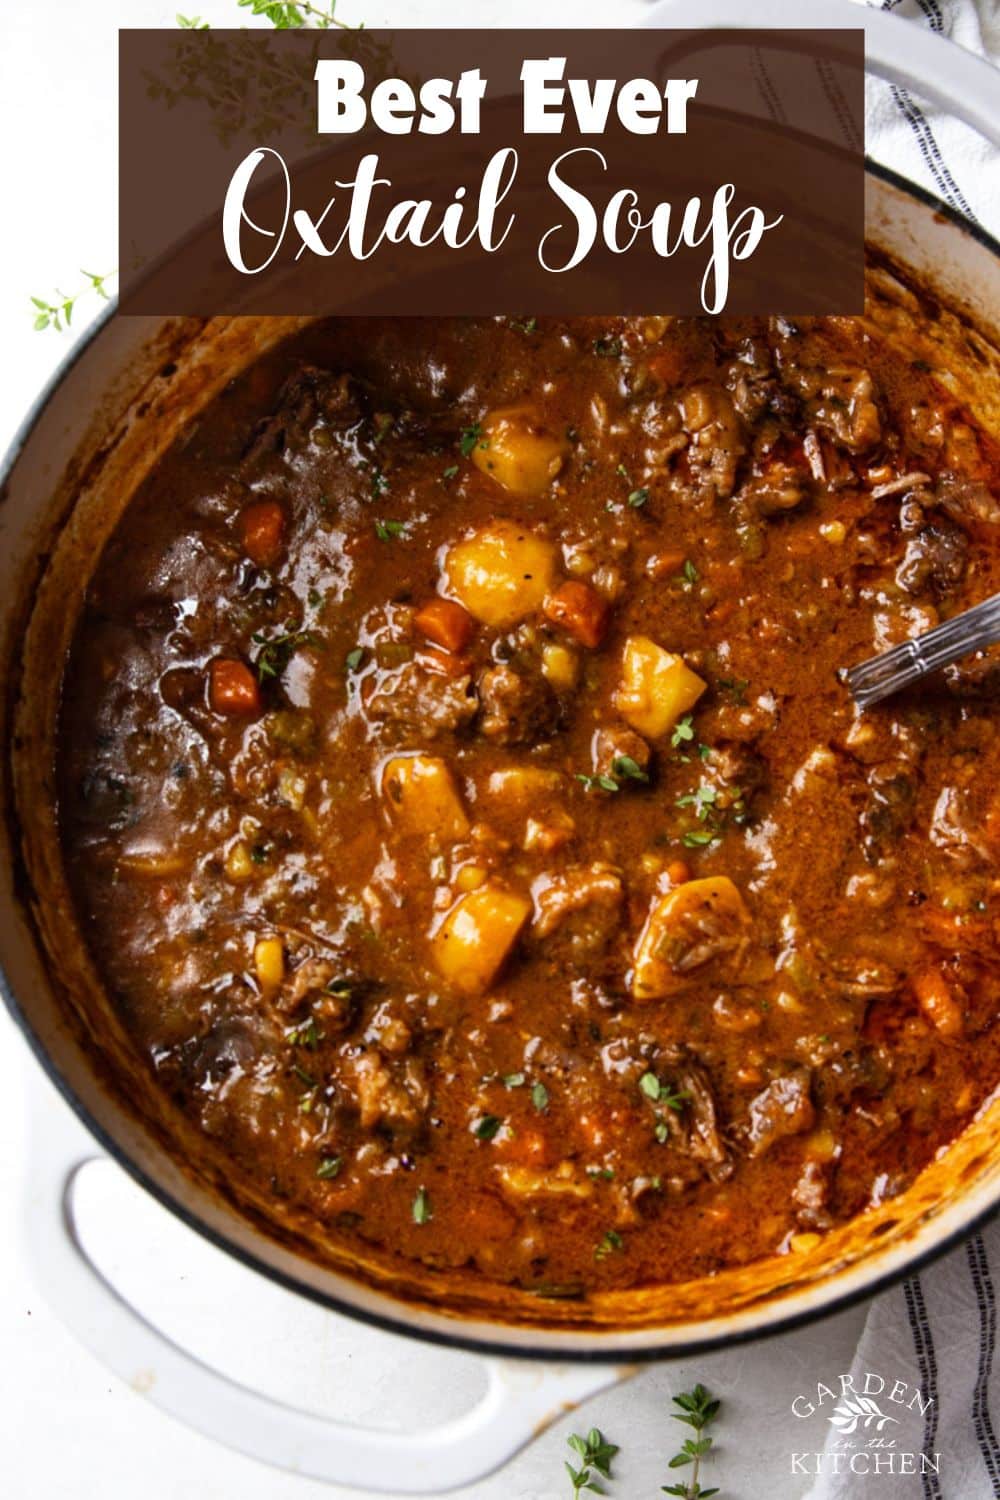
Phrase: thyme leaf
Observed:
(698, 1409)
(595, 1454)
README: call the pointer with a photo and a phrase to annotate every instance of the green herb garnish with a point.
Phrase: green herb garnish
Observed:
(59, 314)
(386, 530)
(595, 1456)
(276, 651)
(697, 1409)
(661, 1093)
(468, 438)
(486, 1127)
(683, 732)
(540, 1096)
(286, 15)
(609, 1244)
(700, 838)
(422, 1212)
(627, 769)
(736, 687)
(638, 498)
(307, 1035)
(329, 1167)
(594, 783)
(702, 800)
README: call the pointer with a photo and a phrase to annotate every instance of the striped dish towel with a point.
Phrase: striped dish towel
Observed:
(940, 154)
(936, 1333)
(917, 1420)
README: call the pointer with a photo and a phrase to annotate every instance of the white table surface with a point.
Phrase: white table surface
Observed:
(67, 1428)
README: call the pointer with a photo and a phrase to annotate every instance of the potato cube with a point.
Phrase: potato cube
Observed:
(269, 962)
(656, 687)
(562, 1182)
(239, 862)
(549, 834)
(518, 451)
(421, 797)
(476, 936)
(688, 927)
(501, 574)
(469, 877)
(523, 784)
(560, 667)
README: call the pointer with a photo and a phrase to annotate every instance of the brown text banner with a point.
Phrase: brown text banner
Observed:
(481, 172)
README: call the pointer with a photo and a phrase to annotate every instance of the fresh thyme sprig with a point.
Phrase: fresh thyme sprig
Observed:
(595, 1454)
(274, 652)
(698, 1408)
(284, 15)
(623, 768)
(59, 314)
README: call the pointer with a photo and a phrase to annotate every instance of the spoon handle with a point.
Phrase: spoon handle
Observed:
(882, 675)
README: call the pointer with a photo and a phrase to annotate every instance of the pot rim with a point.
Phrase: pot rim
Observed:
(551, 1346)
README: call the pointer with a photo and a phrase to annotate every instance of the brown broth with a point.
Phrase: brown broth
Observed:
(720, 495)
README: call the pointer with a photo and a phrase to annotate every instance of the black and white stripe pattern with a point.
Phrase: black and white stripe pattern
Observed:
(923, 1343)
(941, 170)
(982, 1281)
(936, 1333)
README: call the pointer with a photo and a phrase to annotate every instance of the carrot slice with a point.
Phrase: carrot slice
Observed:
(445, 623)
(938, 1002)
(262, 531)
(442, 662)
(232, 688)
(580, 611)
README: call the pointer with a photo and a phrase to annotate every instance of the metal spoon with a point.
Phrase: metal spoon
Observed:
(898, 667)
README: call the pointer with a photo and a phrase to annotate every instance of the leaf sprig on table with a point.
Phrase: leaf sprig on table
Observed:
(283, 15)
(59, 314)
(595, 1455)
(287, 14)
(698, 1409)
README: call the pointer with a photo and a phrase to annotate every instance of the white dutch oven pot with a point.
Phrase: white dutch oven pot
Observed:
(99, 411)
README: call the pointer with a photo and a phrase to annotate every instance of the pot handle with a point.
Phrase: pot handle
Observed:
(522, 1397)
(937, 69)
